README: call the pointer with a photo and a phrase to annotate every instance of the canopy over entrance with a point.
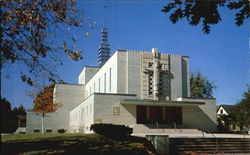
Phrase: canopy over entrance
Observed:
(160, 103)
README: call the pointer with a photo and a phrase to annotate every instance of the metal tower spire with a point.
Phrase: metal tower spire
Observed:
(104, 49)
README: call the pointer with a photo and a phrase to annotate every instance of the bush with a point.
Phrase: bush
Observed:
(112, 130)
(61, 130)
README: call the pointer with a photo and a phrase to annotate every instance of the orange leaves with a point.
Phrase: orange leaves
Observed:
(43, 103)
(29, 30)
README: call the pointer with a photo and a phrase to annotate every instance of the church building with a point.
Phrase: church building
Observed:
(149, 91)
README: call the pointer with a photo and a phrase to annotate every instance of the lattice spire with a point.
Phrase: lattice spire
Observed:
(104, 49)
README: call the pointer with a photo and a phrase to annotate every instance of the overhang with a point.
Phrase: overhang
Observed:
(161, 103)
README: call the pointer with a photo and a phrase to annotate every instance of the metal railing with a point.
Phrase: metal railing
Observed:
(216, 139)
(174, 126)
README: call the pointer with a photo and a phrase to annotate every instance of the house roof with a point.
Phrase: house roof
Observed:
(227, 108)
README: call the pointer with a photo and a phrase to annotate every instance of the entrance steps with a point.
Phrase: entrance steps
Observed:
(209, 145)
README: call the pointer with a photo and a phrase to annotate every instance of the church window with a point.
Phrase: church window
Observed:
(90, 107)
(87, 110)
(116, 110)
(104, 82)
(99, 85)
(150, 83)
(109, 79)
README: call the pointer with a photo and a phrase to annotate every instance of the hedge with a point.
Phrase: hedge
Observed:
(112, 130)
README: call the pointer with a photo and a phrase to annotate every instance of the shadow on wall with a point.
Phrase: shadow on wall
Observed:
(195, 117)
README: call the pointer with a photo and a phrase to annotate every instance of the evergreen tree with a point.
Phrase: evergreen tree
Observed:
(201, 87)
(241, 111)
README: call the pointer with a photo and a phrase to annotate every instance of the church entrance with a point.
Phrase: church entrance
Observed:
(157, 114)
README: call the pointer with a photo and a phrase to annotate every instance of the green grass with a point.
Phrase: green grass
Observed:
(72, 144)
(17, 137)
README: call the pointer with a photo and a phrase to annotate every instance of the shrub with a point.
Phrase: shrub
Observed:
(112, 130)
(61, 130)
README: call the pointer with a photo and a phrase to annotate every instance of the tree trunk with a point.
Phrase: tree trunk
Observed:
(43, 123)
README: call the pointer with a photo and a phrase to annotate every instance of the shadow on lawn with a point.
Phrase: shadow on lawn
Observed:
(89, 145)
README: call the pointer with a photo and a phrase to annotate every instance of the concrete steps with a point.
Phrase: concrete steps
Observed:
(209, 145)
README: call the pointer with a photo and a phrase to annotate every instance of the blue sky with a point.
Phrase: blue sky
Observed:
(222, 56)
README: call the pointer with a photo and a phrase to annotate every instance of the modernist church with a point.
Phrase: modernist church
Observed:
(146, 90)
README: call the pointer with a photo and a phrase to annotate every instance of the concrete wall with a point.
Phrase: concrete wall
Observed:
(133, 73)
(103, 109)
(122, 72)
(185, 77)
(202, 117)
(67, 95)
(176, 76)
(105, 80)
(81, 117)
(86, 74)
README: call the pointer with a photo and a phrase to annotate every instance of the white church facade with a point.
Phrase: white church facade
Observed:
(148, 91)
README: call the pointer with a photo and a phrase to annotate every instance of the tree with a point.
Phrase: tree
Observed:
(241, 111)
(7, 123)
(206, 11)
(32, 30)
(201, 87)
(19, 110)
(43, 103)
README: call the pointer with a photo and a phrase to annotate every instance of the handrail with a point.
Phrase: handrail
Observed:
(174, 126)
(216, 140)
(157, 125)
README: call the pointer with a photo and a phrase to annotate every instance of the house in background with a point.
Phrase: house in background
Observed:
(224, 118)
(21, 128)
(224, 110)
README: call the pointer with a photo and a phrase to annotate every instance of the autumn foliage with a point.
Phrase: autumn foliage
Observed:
(27, 27)
(43, 103)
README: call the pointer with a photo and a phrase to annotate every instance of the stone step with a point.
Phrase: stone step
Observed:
(208, 145)
(232, 140)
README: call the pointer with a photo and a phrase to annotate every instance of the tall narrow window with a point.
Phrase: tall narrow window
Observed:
(104, 82)
(109, 79)
(150, 83)
(90, 107)
(87, 110)
(99, 85)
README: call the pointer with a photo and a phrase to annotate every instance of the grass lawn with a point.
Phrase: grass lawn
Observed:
(72, 144)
